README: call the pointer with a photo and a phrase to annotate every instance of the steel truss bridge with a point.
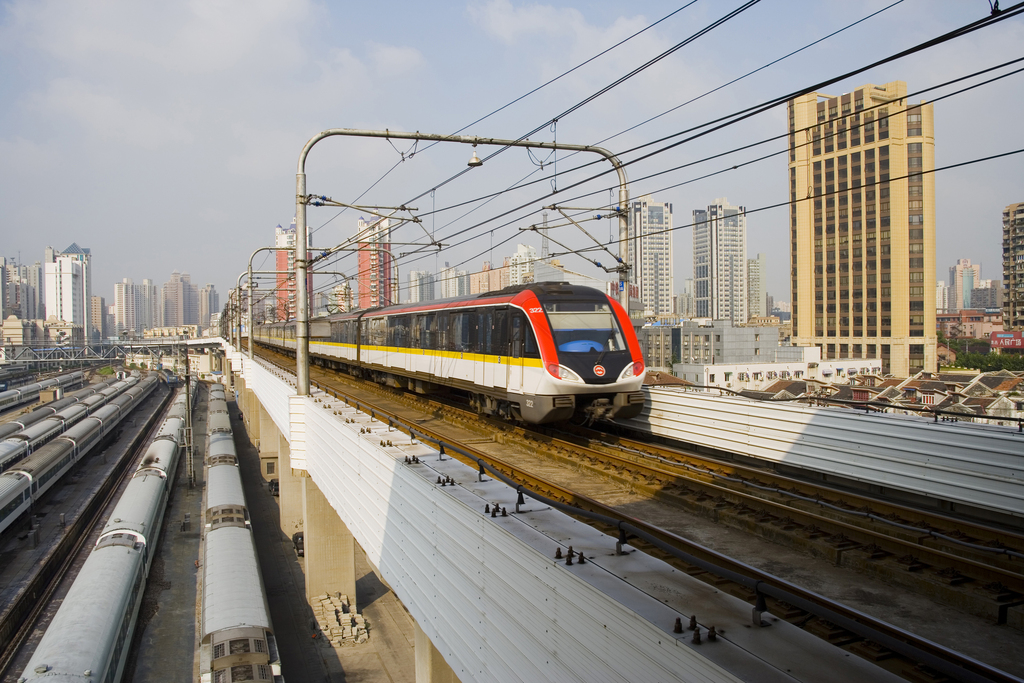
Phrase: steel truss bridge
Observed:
(101, 352)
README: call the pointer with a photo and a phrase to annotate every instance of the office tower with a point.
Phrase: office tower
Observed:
(451, 283)
(1013, 266)
(375, 263)
(84, 259)
(35, 298)
(149, 310)
(421, 286)
(650, 253)
(987, 294)
(963, 278)
(209, 303)
(64, 290)
(942, 291)
(98, 318)
(757, 302)
(521, 265)
(180, 301)
(126, 305)
(720, 262)
(284, 240)
(862, 226)
(70, 272)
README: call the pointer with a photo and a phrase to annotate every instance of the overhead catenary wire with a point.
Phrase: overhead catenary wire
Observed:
(598, 55)
(746, 113)
(778, 137)
(518, 99)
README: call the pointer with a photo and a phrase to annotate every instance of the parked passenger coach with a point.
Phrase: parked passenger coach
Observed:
(539, 353)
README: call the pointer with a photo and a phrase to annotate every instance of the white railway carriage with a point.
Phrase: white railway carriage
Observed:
(11, 451)
(41, 433)
(15, 498)
(71, 415)
(30, 392)
(84, 435)
(237, 639)
(540, 352)
(46, 465)
(89, 636)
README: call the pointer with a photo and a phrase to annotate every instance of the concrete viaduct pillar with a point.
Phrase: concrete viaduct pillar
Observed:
(290, 490)
(430, 665)
(329, 547)
(270, 438)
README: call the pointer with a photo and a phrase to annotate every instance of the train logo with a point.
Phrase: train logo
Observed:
(599, 370)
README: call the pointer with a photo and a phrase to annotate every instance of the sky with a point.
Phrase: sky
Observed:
(165, 136)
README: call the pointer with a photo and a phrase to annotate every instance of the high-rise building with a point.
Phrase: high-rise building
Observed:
(862, 227)
(284, 240)
(421, 286)
(963, 278)
(987, 294)
(84, 259)
(720, 262)
(489, 279)
(375, 263)
(97, 316)
(757, 301)
(209, 303)
(650, 253)
(35, 296)
(451, 283)
(520, 265)
(149, 309)
(126, 304)
(180, 301)
(1013, 266)
(64, 291)
(941, 297)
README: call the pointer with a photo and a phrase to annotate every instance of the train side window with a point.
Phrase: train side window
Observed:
(443, 331)
(500, 339)
(429, 333)
(416, 336)
(532, 351)
(484, 331)
(515, 333)
(455, 331)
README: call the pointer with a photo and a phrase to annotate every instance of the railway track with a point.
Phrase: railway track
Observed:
(819, 520)
(19, 620)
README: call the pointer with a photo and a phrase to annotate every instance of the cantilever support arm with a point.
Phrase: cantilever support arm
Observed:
(301, 257)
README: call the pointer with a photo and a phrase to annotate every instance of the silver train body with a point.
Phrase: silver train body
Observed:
(34, 473)
(237, 638)
(30, 392)
(23, 437)
(89, 637)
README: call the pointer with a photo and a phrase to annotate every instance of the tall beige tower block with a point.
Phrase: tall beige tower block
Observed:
(862, 226)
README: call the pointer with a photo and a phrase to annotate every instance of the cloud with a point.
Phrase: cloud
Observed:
(108, 116)
(390, 61)
(511, 24)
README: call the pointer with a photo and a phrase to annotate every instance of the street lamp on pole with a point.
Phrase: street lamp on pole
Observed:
(301, 199)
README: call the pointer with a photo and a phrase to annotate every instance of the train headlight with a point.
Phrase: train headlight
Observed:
(562, 372)
(632, 370)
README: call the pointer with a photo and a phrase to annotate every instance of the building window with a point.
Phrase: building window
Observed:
(270, 467)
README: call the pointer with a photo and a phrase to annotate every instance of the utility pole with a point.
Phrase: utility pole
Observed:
(302, 199)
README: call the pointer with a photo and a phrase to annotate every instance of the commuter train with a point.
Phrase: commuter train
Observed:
(29, 478)
(538, 353)
(238, 641)
(23, 436)
(30, 392)
(90, 635)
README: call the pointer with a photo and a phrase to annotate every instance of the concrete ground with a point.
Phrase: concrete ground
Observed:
(388, 655)
(168, 616)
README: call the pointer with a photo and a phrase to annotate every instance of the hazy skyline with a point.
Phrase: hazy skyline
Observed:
(166, 137)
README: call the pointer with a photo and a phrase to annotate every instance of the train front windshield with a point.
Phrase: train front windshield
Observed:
(584, 327)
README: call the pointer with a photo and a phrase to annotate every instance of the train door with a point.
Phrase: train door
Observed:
(516, 339)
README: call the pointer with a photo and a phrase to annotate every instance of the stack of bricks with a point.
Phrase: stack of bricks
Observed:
(337, 621)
